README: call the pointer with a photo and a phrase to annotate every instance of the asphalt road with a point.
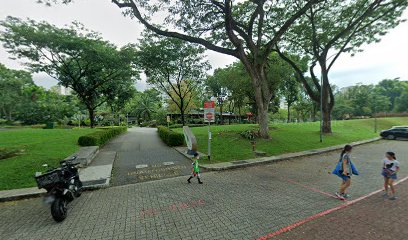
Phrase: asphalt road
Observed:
(142, 156)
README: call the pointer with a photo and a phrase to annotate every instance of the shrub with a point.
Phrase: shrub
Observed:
(38, 126)
(169, 137)
(153, 123)
(100, 137)
(176, 126)
(144, 124)
(198, 121)
(250, 134)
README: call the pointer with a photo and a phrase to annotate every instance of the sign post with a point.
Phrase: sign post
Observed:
(209, 116)
(168, 121)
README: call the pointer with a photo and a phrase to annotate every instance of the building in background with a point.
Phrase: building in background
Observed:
(61, 90)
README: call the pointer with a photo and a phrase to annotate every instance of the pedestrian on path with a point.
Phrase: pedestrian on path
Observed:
(345, 169)
(389, 172)
(195, 169)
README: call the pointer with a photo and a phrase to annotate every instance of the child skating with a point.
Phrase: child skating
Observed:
(196, 169)
(389, 172)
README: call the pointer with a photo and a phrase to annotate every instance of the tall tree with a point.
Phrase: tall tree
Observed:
(174, 102)
(12, 84)
(401, 103)
(304, 107)
(145, 104)
(331, 28)
(38, 105)
(247, 30)
(393, 89)
(238, 82)
(359, 100)
(173, 66)
(95, 69)
(290, 90)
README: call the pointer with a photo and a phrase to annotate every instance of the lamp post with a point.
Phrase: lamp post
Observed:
(375, 114)
(212, 99)
(321, 108)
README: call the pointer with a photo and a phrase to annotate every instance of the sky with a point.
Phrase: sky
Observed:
(384, 60)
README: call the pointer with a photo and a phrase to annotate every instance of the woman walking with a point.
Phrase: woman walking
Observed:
(344, 170)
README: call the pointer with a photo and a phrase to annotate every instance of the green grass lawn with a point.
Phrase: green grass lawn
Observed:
(39, 146)
(228, 145)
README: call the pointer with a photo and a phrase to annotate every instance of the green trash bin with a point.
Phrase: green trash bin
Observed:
(50, 125)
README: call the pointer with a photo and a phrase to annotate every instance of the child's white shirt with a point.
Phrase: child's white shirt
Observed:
(394, 165)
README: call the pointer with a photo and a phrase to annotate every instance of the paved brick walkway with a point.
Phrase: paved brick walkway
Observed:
(240, 204)
(372, 218)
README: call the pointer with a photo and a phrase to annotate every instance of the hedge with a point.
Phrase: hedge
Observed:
(100, 137)
(169, 137)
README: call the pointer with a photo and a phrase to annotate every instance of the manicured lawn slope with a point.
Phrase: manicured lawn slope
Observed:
(39, 146)
(228, 145)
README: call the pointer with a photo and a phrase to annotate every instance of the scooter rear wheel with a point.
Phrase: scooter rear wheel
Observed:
(59, 209)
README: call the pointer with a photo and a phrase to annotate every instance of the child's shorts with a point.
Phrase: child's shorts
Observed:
(391, 176)
(194, 174)
(345, 178)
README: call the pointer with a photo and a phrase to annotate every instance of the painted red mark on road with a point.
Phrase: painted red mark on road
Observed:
(148, 212)
(321, 214)
(312, 189)
(173, 207)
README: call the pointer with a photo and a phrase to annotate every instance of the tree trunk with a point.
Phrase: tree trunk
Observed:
(183, 120)
(91, 112)
(263, 97)
(263, 122)
(288, 113)
(239, 112)
(326, 121)
(262, 109)
(221, 117)
(327, 104)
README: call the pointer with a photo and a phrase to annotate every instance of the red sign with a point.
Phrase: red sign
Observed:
(209, 104)
(209, 112)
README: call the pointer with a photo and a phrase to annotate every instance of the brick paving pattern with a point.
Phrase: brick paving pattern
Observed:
(373, 218)
(239, 204)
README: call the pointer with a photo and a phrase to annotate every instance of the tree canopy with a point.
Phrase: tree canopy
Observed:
(12, 85)
(330, 28)
(173, 66)
(96, 70)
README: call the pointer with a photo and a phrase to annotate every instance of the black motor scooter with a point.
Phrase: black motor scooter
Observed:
(62, 184)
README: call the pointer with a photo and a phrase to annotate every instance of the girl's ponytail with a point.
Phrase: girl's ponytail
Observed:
(347, 148)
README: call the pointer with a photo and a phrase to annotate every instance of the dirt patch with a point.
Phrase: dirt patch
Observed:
(9, 153)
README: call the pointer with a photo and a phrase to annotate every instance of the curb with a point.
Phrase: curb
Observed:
(266, 160)
(37, 193)
(42, 192)
(182, 151)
